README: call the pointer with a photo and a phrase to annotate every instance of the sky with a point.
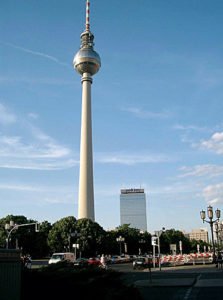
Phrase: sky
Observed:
(157, 108)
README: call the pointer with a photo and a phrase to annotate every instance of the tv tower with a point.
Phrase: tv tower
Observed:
(87, 62)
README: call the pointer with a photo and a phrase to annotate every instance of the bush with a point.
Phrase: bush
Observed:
(61, 280)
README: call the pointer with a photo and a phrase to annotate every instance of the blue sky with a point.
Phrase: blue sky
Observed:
(156, 107)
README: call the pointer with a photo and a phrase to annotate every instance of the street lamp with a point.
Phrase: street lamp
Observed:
(73, 234)
(75, 246)
(211, 222)
(120, 239)
(9, 227)
(141, 242)
(158, 234)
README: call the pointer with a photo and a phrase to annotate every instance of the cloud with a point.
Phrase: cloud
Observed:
(6, 117)
(213, 194)
(33, 116)
(43, 153)
(202, 170)
(37, 53)
(130, 159)
(31, 148)
(215, 143)
(140, 113)
(189, 127)
(22, 188)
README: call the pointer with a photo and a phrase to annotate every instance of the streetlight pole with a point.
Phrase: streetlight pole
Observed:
(211, 222)
(141, 242)
(9, 227)
(217, 229)
(120, 239)
(158, 234)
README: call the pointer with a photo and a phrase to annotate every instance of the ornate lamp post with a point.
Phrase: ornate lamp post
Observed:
(120, 239)
(211, 222)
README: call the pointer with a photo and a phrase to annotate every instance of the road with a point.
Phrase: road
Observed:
(195, 282)
(199, 282)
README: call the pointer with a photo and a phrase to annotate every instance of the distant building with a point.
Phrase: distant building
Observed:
(133, 208)
(198, 234)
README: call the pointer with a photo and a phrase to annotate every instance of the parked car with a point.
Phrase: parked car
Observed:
(81, 262)
(115, 259)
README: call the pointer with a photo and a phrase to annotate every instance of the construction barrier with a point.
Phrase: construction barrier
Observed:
(183, 259)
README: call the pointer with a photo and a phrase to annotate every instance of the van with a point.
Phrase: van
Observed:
(61, 256)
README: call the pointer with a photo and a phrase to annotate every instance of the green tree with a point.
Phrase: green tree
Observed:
(173, 236)
(92, 237)
(23, 237)
(59, 237)
(134, 240)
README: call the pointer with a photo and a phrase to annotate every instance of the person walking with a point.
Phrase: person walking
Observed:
(103, 261)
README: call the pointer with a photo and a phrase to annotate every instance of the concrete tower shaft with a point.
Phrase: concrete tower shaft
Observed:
(87, 63)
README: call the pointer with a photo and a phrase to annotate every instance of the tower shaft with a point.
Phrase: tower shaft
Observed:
(86, 186)
(87, 62)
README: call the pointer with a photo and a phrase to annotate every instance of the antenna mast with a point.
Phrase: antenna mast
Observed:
(87, 24)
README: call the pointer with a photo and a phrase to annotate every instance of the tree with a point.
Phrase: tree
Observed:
(59, 237)
(92, 237)
(173, 236)
(25, 237)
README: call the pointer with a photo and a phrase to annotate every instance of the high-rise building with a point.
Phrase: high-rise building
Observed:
(133, 208)
(87, 62)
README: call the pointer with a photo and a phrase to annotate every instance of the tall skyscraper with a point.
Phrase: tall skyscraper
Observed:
(87, 62)
(133, 208)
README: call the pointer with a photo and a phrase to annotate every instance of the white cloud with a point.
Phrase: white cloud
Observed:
(202, 170)
(37, 53)
(17, 187)
(6, 117)
(213, 194)
(215, 143)
(140, 113)
(189, 127)
(33, 116)
(32, 148)
(130, 159)
(40, 154)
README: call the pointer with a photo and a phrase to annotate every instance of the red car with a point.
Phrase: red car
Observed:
(94, 261)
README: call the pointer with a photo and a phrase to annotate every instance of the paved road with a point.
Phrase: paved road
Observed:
(199, 282)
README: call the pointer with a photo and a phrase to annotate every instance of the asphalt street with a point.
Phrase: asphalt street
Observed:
(190, 282)
(177, 283)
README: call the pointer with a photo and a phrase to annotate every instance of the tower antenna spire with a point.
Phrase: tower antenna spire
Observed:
(87, 24)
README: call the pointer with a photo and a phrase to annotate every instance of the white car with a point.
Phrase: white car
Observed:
(63, 256)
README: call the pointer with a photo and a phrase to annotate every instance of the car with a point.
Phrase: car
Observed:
(93, 261)
(140, 263)
(61, 256)
(115, 259)
(81, 262)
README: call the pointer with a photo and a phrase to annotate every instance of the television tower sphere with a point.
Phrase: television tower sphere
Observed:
(87, 60)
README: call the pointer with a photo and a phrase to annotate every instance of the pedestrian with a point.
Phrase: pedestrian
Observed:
(103, 261)
(219, 261)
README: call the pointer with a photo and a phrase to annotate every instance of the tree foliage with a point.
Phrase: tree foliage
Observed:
(90, 236)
